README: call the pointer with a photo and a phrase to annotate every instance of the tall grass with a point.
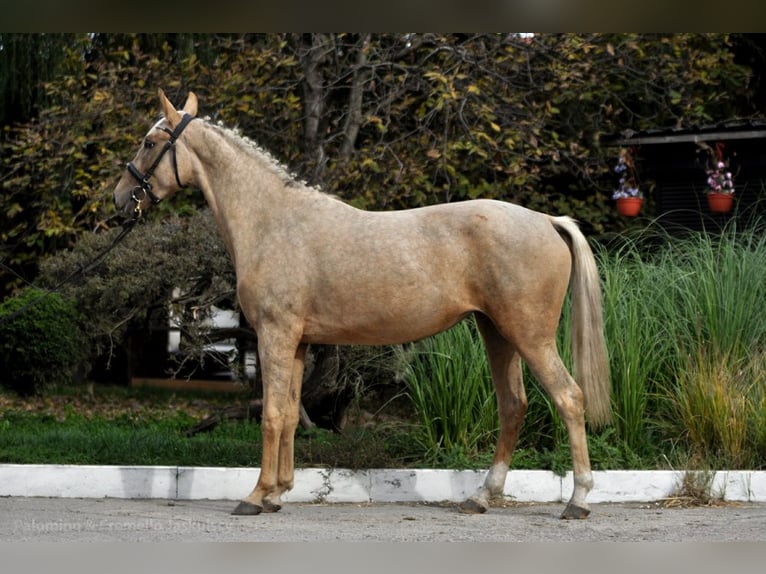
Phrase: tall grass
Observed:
(686, 333)
(721, 402)
(719, 285)
(449, 383)
(638, 336)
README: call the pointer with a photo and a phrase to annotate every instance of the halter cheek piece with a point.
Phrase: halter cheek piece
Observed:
(143, 178)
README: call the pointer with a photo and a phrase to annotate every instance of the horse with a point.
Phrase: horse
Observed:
(312, 269)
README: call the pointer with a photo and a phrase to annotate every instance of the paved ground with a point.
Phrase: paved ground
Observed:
(107, 520)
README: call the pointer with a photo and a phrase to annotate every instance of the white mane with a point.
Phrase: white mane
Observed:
(252, 147)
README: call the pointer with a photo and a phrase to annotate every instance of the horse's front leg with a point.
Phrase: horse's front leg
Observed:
(272, 502)
(282, 369)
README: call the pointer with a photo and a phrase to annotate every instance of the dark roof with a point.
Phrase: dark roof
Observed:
(730, 130)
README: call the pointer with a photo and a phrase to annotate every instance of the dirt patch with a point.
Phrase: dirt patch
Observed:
(115, 403)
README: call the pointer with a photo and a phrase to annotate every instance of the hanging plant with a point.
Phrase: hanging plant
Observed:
(720, 183)
(628, 195)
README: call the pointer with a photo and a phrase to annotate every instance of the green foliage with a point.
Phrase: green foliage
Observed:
(449, 383)
(41, 341)
(438, 117)
(686, 345)
(133, 285)
(160, 439)
(606, 450)
(27, 61)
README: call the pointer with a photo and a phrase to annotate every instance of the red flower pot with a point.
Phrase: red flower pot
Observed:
(720, 202)
(629, 206)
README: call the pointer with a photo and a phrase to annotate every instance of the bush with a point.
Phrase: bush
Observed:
(133, 284)
(41, 341)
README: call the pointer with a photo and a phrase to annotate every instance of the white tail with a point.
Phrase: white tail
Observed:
(591, 363)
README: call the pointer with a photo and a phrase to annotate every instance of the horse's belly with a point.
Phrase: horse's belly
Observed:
(385, 326)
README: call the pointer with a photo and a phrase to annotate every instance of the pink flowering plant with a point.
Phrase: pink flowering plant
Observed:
(627, 185)
(719, 178)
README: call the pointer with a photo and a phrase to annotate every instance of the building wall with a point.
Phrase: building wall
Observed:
(678, 172)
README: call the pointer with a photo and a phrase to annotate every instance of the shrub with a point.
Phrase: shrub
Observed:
(135, 281)
(41, 341)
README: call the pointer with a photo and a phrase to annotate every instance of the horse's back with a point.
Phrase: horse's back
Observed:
(384, 277)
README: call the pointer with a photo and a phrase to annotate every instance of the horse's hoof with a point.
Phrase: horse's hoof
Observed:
(271, 506)
(472, 506)
(245, 508)
(574, 512)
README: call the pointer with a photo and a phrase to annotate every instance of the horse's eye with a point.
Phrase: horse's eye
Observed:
(148, 144)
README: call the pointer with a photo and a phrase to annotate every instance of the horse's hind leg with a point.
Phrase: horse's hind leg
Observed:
(505, 365)
(546, 364)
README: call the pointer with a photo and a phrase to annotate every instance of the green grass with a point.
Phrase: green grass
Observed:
(31, 439)
(35, 439)
(27, 438)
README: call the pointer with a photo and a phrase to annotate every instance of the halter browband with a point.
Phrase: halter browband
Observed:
(143, 179)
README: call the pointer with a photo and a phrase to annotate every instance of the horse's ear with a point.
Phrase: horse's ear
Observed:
(171, 114)
(190, 107)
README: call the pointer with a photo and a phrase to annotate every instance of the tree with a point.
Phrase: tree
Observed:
(382, 120)
(27, 62)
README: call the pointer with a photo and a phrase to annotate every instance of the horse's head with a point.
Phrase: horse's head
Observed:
(155, 174)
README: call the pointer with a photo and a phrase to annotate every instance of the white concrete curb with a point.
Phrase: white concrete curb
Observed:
(342, 485)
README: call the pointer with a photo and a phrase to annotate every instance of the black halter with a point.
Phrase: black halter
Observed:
(143, 179)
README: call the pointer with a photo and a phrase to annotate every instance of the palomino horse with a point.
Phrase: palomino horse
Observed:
(312, 269)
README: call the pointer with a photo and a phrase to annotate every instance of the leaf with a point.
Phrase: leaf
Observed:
(439, 77)
(13, 210)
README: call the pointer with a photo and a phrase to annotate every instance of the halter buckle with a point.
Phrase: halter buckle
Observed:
(137, 210)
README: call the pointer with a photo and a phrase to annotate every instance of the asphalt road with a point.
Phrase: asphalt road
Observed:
(116, 520)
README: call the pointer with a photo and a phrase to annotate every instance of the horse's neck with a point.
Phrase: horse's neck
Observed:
(242, 189)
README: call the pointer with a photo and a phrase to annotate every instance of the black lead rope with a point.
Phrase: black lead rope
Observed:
(127, 227)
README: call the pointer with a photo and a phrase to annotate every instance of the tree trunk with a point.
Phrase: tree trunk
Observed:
(313, 49)
(325, 395)
(354, 117)
(324, 402)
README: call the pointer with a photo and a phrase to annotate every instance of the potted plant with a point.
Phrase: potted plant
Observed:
(627, 195)
(720, 185)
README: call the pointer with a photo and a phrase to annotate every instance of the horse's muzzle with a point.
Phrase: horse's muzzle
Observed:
(124, 202)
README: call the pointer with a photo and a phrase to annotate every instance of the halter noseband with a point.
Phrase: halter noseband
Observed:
(143, 179)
